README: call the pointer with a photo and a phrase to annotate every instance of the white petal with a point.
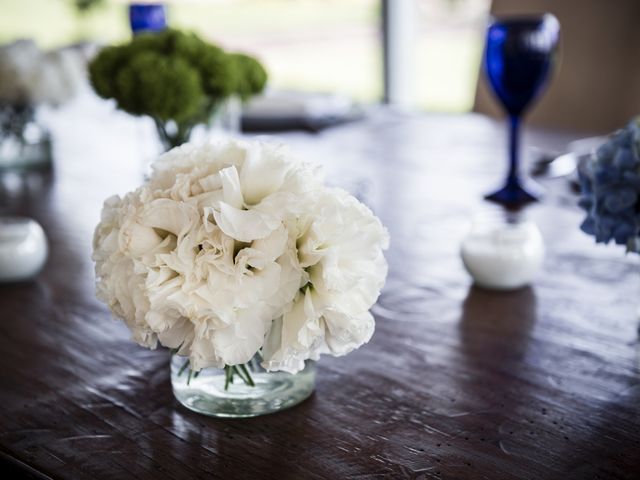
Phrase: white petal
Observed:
(169, 215)
(345, 333)
(239, 342)
(245, 225)
(262, 173)
(232, 193)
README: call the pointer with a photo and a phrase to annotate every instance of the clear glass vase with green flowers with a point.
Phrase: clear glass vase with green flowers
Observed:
(176, 78)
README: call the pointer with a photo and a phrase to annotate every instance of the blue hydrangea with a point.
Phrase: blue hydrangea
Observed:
(610, 189)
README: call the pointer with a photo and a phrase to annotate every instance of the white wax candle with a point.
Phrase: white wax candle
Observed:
(501, 255)
(23, 248)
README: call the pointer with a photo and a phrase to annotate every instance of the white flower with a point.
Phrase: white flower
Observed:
(234, 247)
(61, 75)
(340, 244)
(18, 61)
(121, 286)
(30, 76)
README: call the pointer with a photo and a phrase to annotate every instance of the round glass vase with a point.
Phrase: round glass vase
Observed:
(247, 391)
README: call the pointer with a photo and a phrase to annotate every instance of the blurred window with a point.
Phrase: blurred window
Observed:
(315, 45)
(450, 41)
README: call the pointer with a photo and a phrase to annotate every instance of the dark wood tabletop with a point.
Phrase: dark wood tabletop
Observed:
(457, 382)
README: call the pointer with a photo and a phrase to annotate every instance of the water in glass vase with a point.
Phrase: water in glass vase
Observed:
(205, 391)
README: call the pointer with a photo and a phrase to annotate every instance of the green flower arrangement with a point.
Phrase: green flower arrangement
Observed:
(175, 78)
(252, 78)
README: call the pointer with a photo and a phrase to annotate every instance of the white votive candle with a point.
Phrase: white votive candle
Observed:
(23, 248)
(503, 255)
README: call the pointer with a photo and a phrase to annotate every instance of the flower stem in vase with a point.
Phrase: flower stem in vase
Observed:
(242, 371)
(229, 371)
(249, 381)
(172, 134)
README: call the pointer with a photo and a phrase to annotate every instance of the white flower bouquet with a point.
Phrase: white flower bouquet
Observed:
(237, 248)
(30, 77)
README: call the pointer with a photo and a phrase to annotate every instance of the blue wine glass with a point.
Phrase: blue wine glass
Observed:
(519, 55)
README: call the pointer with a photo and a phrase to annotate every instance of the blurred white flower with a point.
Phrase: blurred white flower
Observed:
(236, 247)
(29, 76)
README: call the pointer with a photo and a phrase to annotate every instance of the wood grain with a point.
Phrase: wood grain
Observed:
(457, 382)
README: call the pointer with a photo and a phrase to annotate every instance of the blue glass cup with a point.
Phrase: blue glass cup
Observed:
(519, 56)
(147, 17)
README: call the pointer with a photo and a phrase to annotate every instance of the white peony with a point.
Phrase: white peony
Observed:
(235, 247)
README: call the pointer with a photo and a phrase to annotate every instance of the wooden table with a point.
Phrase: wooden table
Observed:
(457, 382)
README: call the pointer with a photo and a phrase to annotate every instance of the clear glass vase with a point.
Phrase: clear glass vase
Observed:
(24, 142)
(214, 392)
(224, 120)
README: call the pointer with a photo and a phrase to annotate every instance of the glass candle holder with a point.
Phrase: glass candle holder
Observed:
(503, 252)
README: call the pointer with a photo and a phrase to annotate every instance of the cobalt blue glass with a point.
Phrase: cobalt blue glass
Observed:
(147, 17)
(519, 56)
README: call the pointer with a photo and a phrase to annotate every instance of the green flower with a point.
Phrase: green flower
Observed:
(251, 75)
(174, 77)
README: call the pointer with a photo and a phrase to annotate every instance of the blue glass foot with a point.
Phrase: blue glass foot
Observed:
(514, 194)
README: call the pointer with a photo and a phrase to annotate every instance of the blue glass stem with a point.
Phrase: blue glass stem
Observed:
(513, 194)
(514, 145)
